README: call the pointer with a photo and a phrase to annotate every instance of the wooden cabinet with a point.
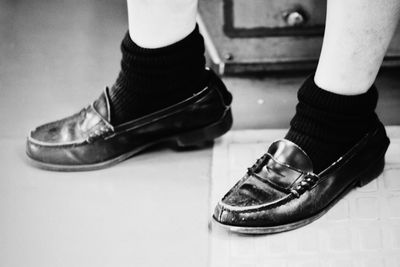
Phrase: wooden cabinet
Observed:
(264, 35)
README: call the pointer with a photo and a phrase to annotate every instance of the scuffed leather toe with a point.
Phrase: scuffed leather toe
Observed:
(60, 131)
(280, 192)
(60, 142)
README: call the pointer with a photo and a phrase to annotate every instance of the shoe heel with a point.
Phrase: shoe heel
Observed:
(372, 173)
(205, 136)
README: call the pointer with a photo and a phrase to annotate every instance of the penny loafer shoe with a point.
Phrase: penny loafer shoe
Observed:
(280, 192)
(88, 140)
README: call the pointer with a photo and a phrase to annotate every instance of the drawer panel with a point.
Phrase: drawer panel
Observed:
(262, 18)
(253, 36)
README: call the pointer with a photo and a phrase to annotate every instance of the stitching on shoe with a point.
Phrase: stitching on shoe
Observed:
(258, 208)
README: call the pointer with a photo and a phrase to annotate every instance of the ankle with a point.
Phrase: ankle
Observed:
(152, 79)
(326, 124)
(343, 83)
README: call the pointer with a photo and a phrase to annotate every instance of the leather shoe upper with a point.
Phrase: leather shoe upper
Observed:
(281, 188)
(89, 136)
(78, 128)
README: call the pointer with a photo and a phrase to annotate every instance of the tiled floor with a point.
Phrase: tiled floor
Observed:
(363, 229)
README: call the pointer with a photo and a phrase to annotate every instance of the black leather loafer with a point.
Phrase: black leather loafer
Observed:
(281, 192)
(88, 140)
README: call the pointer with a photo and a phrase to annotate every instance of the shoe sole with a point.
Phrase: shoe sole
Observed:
(365, 177)
(192, 139)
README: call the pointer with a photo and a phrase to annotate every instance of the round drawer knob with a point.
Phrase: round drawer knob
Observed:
(294, 18)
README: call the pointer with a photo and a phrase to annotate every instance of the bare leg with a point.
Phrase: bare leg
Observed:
(158, 23)
(357, 35)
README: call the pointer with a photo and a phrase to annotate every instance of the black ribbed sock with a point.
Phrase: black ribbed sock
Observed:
(151, 79)
(326, 125)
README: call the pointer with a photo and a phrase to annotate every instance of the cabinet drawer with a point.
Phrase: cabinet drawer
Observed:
(264, 35)
(261, 18)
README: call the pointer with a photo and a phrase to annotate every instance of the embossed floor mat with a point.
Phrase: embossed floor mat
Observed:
(363, 229)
